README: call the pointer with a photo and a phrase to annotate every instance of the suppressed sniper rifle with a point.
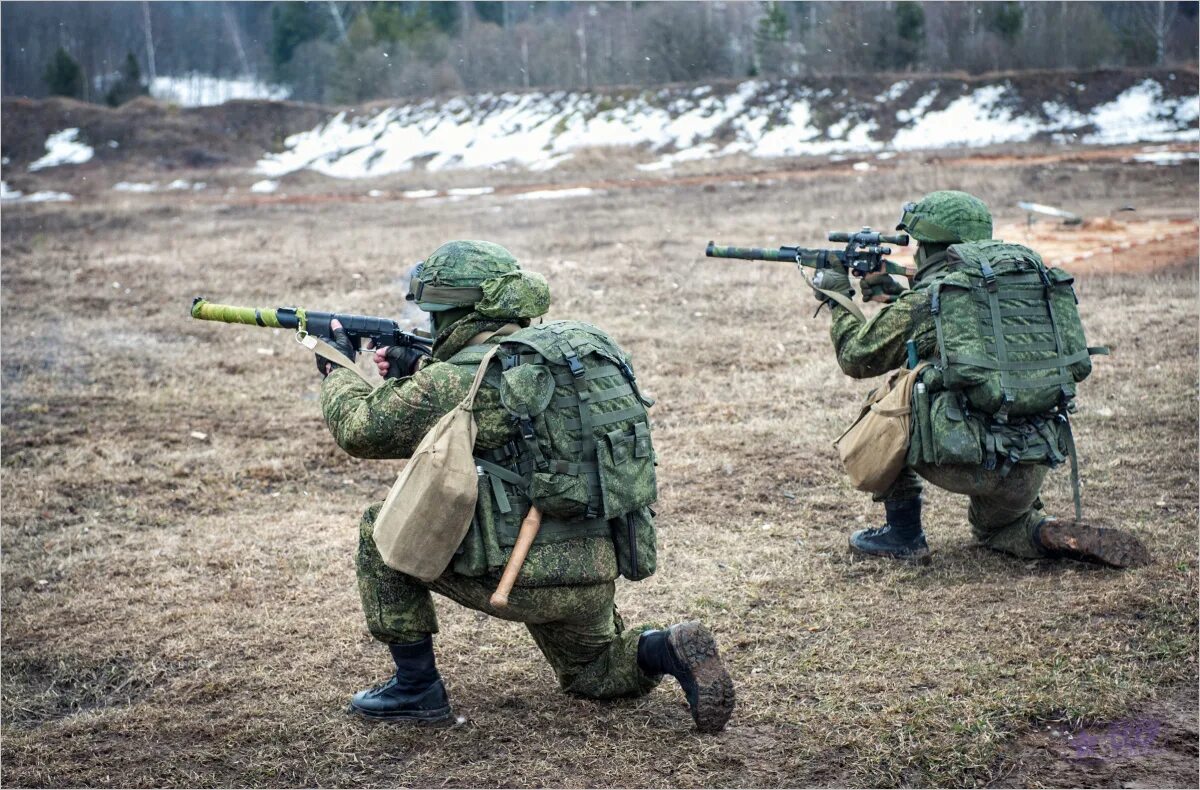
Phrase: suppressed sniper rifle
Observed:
(311, 325)
(864, 254)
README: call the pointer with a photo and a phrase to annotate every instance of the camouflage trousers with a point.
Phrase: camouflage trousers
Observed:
(576, 627)
(1004, 510)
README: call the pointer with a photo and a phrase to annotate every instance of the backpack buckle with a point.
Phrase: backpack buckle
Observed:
(989, 277)
(575, 365)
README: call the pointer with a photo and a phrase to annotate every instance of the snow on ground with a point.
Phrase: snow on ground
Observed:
(553, 194)
(47, 197)
(134, 186)
(8, 194)
(203, 90)
(64, 148)
(1143, 114)
(1163, 156)
(266, 186)
(539, 130)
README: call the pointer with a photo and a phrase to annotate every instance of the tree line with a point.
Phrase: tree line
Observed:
(351, 52)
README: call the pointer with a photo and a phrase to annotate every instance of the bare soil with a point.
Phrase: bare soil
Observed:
(181, 611)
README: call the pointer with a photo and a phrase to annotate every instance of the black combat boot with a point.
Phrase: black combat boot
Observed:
(1100, 545)
(688, 653)
(414, 694)
(901, 538)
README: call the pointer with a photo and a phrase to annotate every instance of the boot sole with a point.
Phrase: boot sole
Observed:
(1099, 545)
(442, 716)
(921, 557)
(696, 647)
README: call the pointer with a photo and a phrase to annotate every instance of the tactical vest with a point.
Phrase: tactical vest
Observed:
(582, 453)
(1011, 349)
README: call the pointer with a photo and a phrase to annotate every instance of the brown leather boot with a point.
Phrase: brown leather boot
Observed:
(1100, 545)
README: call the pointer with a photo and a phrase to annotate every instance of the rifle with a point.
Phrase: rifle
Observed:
(864, 253)
(380, 331)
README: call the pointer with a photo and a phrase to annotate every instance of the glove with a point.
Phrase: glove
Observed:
(397, 362)
(341, 341)
(834, 279)
(881, 287)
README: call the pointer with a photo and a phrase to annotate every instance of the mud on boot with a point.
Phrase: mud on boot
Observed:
(901, 538)
(415, 694)
(688, 653)
(1099, 545)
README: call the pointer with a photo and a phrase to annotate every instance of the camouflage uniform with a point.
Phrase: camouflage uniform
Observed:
(1004, 511)
(565, 590)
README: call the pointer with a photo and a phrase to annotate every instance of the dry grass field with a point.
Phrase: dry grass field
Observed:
(182, 611)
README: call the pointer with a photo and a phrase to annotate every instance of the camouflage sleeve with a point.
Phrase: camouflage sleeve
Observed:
(872, 348)
(390, 421)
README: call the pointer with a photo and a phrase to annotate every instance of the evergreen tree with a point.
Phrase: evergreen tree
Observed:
(63, 75)
(292, 24)
(129, 85)
(910, 34)
(1005, 20)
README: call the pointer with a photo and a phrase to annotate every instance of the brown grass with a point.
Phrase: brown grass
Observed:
(183, 612)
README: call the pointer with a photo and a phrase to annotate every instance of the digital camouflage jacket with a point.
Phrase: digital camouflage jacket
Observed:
(866, 349)
(390, 421)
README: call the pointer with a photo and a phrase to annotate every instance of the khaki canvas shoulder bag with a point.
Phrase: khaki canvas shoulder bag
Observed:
(874, 448)
(429, 509)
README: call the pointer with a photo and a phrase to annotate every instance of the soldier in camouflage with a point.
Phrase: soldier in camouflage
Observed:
(564, 594)
(1005, 511)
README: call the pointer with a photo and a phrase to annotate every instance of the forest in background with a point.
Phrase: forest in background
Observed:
(349, 52)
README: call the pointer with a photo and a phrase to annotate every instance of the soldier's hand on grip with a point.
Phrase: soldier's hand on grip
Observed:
(880, 287)
(397, 362)
(341, 341)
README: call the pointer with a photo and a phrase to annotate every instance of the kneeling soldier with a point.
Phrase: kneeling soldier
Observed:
(991, 410)
(561, 425)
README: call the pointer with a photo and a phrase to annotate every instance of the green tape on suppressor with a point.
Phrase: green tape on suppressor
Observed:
(229, 314)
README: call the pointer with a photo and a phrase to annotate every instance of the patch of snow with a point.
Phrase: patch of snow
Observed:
(7, 193)
(183, 183)
(5, 161)
(895, 92)
(550, 194)
(113, 144)
(47, 197)
(134, 186)
(417, 194)
(918, 109)
(861, 167)
(539, 130)
(470, 191)
(64, 148)
(976, 119)
(702, 151)
(542, 165)
(375, 193)
(203, 90)
(1141, 113)
(266, 186)
(1166, 157)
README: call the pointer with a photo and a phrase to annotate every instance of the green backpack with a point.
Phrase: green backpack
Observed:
(1011, 350)
(584, 454)
(1008, 331)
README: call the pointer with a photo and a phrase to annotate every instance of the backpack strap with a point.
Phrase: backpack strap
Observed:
(587, 449)
(1066, 423)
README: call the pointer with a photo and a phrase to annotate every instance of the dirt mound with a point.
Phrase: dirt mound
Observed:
(152, 133)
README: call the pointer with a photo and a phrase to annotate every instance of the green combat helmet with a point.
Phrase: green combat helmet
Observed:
(479, 275)
(947, 217)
